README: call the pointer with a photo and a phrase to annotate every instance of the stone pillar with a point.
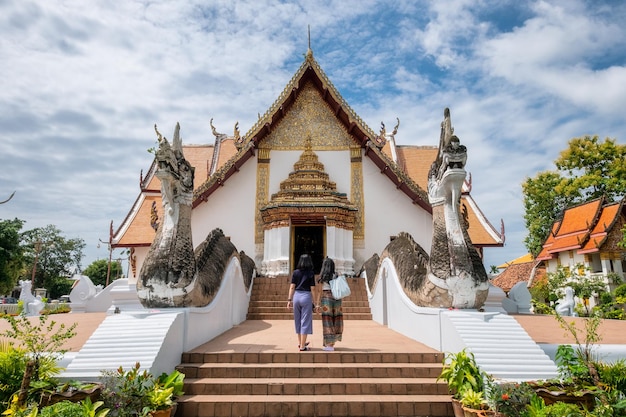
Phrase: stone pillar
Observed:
(339, 247)
(276, 252)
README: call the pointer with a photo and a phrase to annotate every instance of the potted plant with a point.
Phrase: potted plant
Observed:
(74, 391)
(166, 388)
(461, 373)
(474, 403)
(139, 393)
(159, 401)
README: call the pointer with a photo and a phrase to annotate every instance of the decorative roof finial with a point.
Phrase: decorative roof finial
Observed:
(309, 52)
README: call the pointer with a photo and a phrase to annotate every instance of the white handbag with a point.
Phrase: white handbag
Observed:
(339, 287)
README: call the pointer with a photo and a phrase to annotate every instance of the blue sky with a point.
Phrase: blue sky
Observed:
(83, 83)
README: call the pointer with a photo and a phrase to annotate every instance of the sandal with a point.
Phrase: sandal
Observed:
(306, 348)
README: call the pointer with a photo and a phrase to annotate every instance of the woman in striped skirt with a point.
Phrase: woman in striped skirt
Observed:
(332, 315)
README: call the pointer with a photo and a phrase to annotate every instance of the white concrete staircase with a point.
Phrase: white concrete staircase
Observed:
(501, 346)
(152, 339)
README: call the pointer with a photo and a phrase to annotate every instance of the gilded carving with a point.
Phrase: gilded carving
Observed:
(356, 192)
(308, 193)
(310, 117)
(262, 193)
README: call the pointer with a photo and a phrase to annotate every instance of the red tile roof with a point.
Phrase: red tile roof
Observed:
(583, 228)
(518, 272)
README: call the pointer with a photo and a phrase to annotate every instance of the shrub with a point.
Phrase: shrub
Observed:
(63, 408)
(510, 399)
(620, 291)
(561, 409)
(43, 344)
(613, 375)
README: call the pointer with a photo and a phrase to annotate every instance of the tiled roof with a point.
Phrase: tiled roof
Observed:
(416, 161)
(544, 254)
(579, 219)
(583, 228)
(519, 272)
(199, 156)
(522, 259)
(608, 217)
(139, 230)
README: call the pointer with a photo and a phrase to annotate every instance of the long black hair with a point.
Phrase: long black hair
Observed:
(305, 263)
(328, 270)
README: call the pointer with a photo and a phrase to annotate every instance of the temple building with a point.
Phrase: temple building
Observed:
(309, 177)
(585, 240)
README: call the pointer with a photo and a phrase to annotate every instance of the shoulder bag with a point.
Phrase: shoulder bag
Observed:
(339, 287)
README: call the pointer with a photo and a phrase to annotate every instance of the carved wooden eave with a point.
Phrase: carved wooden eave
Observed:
(310, 71)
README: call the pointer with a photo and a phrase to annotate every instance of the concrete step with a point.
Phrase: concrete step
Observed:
(502, 347)
(121, 340)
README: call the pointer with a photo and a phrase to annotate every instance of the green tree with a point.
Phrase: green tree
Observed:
(587, 169)
(11, 260)
(50, 255)
(97, 271)
(593, 169)
(542, 205)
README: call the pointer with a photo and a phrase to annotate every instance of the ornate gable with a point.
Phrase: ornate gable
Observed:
(309, 118)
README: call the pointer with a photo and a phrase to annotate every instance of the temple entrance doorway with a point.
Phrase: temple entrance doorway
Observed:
(308, 239)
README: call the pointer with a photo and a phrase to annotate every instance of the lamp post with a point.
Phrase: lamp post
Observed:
(37, 250)
(110, 249)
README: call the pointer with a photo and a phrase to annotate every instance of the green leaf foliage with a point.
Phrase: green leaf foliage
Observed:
(98, 269)
(586, 170)
(11, 260)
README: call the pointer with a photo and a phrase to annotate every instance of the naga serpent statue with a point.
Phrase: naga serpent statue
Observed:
(453, 275)
(173, 274)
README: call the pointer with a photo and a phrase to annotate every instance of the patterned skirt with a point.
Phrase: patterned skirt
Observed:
(332, 318)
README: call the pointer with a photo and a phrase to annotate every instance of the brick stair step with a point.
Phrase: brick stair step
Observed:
(314, 358)
(315, 386)
(311, 370)
(317, 405)
(273, 315)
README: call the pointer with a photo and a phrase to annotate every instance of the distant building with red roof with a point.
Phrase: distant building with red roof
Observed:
(588, 234)
(526, 270)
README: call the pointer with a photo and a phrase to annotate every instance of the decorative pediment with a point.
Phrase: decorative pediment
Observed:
(310, 118)
(308, 195)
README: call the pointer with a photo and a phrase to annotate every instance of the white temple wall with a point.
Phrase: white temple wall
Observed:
(231, 208)
(389, 211)
(140, 255)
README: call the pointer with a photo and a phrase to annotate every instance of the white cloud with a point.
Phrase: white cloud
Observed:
(84, 83)
(560, 52)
